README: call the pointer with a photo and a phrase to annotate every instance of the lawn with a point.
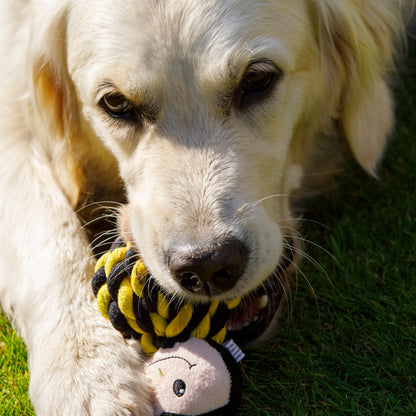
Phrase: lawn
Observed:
(347, 343)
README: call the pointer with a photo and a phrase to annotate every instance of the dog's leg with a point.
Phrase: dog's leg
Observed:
(79, 365)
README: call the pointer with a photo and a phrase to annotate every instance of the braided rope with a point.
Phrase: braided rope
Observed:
(130, 298)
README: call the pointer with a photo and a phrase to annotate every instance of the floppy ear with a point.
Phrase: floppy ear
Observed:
(56, 110)
(357, 40)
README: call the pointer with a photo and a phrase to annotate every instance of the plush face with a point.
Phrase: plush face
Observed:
(189, 379)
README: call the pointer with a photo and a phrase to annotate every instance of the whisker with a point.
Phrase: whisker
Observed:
(110, 236)
(305, 254)
(110, 205)
(259, 201)
(245, 208)
(100, 220)
(307, 220)
(111, 219)
(299, 272)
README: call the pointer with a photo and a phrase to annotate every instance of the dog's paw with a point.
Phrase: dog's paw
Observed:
(98, 374)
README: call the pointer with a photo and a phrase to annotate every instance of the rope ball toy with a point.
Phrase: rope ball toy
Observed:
(191, 369)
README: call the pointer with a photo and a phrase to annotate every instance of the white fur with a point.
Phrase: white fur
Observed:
(201, 172)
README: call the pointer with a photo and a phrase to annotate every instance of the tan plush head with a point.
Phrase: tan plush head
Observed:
(192, 378)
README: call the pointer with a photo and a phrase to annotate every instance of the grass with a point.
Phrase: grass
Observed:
(14, 378)
(347, 344)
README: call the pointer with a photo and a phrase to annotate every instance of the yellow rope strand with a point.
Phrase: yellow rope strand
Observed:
(125, 299)
(117, 255)
(159, 324)
(103, 300)
(202, 330)
(138, 278)
(233, 303)
(147, 344)
(220, 336)
(162, 306)
(180, 321)
(133, 324)
(102, 260)
(141, 270)
(213, 307)
(136, 285)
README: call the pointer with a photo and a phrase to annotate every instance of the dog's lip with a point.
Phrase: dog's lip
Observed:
(257, 310)
(249, 321)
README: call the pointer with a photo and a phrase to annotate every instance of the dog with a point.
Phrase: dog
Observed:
(200, 122)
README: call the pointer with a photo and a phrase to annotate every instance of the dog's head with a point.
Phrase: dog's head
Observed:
(213, 110)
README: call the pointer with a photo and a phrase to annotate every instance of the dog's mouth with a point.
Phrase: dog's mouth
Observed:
(245, 323)
(257, 310)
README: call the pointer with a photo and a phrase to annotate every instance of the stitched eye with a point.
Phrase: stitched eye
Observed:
(179, 387)
(117, 106)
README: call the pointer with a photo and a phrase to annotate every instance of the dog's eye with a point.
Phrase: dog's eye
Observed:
(258, 80)
(256, 83)
(117, 106)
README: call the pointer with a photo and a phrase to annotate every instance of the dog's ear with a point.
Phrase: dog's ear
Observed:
(357, 41)
(56, 109)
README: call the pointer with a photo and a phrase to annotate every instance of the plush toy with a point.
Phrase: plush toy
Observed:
(196, 377)
(191, 369)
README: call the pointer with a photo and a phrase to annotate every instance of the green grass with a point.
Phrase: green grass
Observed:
(14, 378)
(347, 344)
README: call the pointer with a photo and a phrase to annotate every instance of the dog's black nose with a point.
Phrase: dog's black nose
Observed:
(208, 271)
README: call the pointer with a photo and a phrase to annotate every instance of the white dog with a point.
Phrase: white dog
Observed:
(206, 116)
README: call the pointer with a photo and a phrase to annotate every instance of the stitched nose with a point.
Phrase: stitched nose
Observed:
(209, 271)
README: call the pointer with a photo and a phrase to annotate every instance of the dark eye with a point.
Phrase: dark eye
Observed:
(256, 83)
(179, 387)
(117, 106)
(258, 80)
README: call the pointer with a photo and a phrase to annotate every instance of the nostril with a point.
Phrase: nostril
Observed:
(223, 278)
(191, 282)
(210, 270)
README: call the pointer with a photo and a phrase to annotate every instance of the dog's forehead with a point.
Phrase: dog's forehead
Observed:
(152, 35)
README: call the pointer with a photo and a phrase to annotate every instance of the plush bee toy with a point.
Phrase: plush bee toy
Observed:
(191, 369)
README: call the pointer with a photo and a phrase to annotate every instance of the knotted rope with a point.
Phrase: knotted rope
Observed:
(137, 306)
